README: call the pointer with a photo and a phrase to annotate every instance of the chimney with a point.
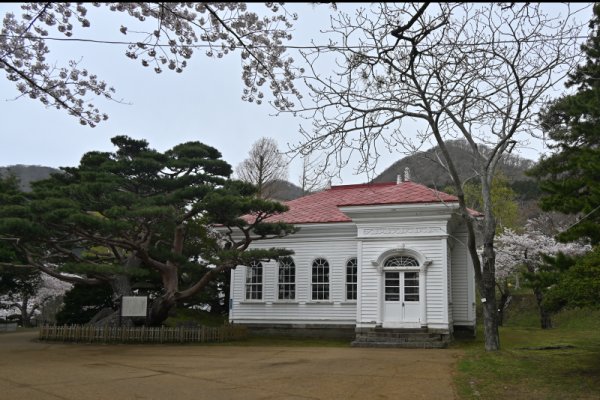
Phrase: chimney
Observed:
(406, 174)
(398, 179)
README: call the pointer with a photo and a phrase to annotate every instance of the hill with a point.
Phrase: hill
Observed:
(282, 190)
(285, 190)
(425, 168)
(28, 173)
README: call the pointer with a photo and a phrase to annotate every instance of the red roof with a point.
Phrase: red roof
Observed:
(322, 207)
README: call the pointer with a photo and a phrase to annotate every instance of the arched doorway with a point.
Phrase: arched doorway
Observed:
(402, 292)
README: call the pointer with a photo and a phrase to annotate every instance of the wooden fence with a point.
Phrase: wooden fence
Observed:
(8, 326)
(113, 334)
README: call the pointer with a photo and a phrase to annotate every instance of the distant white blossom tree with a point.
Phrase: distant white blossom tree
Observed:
(518, 252)
(173, 32)
(29, 299)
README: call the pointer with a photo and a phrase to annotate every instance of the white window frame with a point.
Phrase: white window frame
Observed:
(352, 284)
(254, 281)
(286, 287)
(320, 287)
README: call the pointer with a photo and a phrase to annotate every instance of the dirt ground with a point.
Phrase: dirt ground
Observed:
(33, 370)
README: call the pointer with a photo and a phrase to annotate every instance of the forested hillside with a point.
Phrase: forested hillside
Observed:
(425, 168)
(27, 173)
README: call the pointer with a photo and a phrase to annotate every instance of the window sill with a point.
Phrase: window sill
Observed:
(285, 302)
(317, 302)
(252, 302)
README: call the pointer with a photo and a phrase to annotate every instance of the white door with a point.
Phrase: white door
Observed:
(401, 303)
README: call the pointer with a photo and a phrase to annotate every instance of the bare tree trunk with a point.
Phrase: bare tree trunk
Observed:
(545, 316)
(504, 298)
(488, 291)
(25, 317)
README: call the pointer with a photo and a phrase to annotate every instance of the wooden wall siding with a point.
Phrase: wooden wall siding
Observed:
(339, 243)
(299, 313)
(461, 302)
(303, 308)
(449, 267)
(372, 280)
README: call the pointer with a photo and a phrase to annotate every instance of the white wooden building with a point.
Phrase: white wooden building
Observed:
(367, 257)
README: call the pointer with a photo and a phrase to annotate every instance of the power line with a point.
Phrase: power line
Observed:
(581, 219)
(295, 47)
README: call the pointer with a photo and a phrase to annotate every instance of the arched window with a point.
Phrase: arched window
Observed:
(287, 279)
(320, 279)
(351, 279)
(254, 281)
(401, 261)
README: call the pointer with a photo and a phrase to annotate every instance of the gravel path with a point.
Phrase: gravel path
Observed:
(33, 370)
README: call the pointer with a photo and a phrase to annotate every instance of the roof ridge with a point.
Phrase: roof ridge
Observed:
(357, 185)
(324, 206)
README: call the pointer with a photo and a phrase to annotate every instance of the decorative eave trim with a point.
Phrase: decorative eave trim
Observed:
(438, 210)
(343, 231)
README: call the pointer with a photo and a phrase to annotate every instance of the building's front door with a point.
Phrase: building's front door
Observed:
(401, 302)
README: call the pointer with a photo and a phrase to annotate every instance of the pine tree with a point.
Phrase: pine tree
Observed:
(570, 178)
(579, 284)
(137, 215)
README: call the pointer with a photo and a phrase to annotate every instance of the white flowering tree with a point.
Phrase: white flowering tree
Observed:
(27, 297)
(164, 37)
(524, 252)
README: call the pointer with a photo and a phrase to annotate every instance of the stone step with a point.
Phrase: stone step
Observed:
(397, 339)
(418, 338)
(399, 335)
(400, 330)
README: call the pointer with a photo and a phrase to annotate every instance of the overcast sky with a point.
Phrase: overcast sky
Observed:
(203, 103)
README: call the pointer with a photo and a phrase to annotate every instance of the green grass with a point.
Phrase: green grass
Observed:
(517, 372)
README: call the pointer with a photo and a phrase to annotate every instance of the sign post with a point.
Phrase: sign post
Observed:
(134, 306)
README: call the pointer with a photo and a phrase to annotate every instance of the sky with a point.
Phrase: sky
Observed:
(203, 103)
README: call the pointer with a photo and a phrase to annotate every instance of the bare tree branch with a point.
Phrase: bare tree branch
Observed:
(472, 71)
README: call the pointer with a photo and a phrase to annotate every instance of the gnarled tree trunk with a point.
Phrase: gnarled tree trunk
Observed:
(121, 286)
(159, 310)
